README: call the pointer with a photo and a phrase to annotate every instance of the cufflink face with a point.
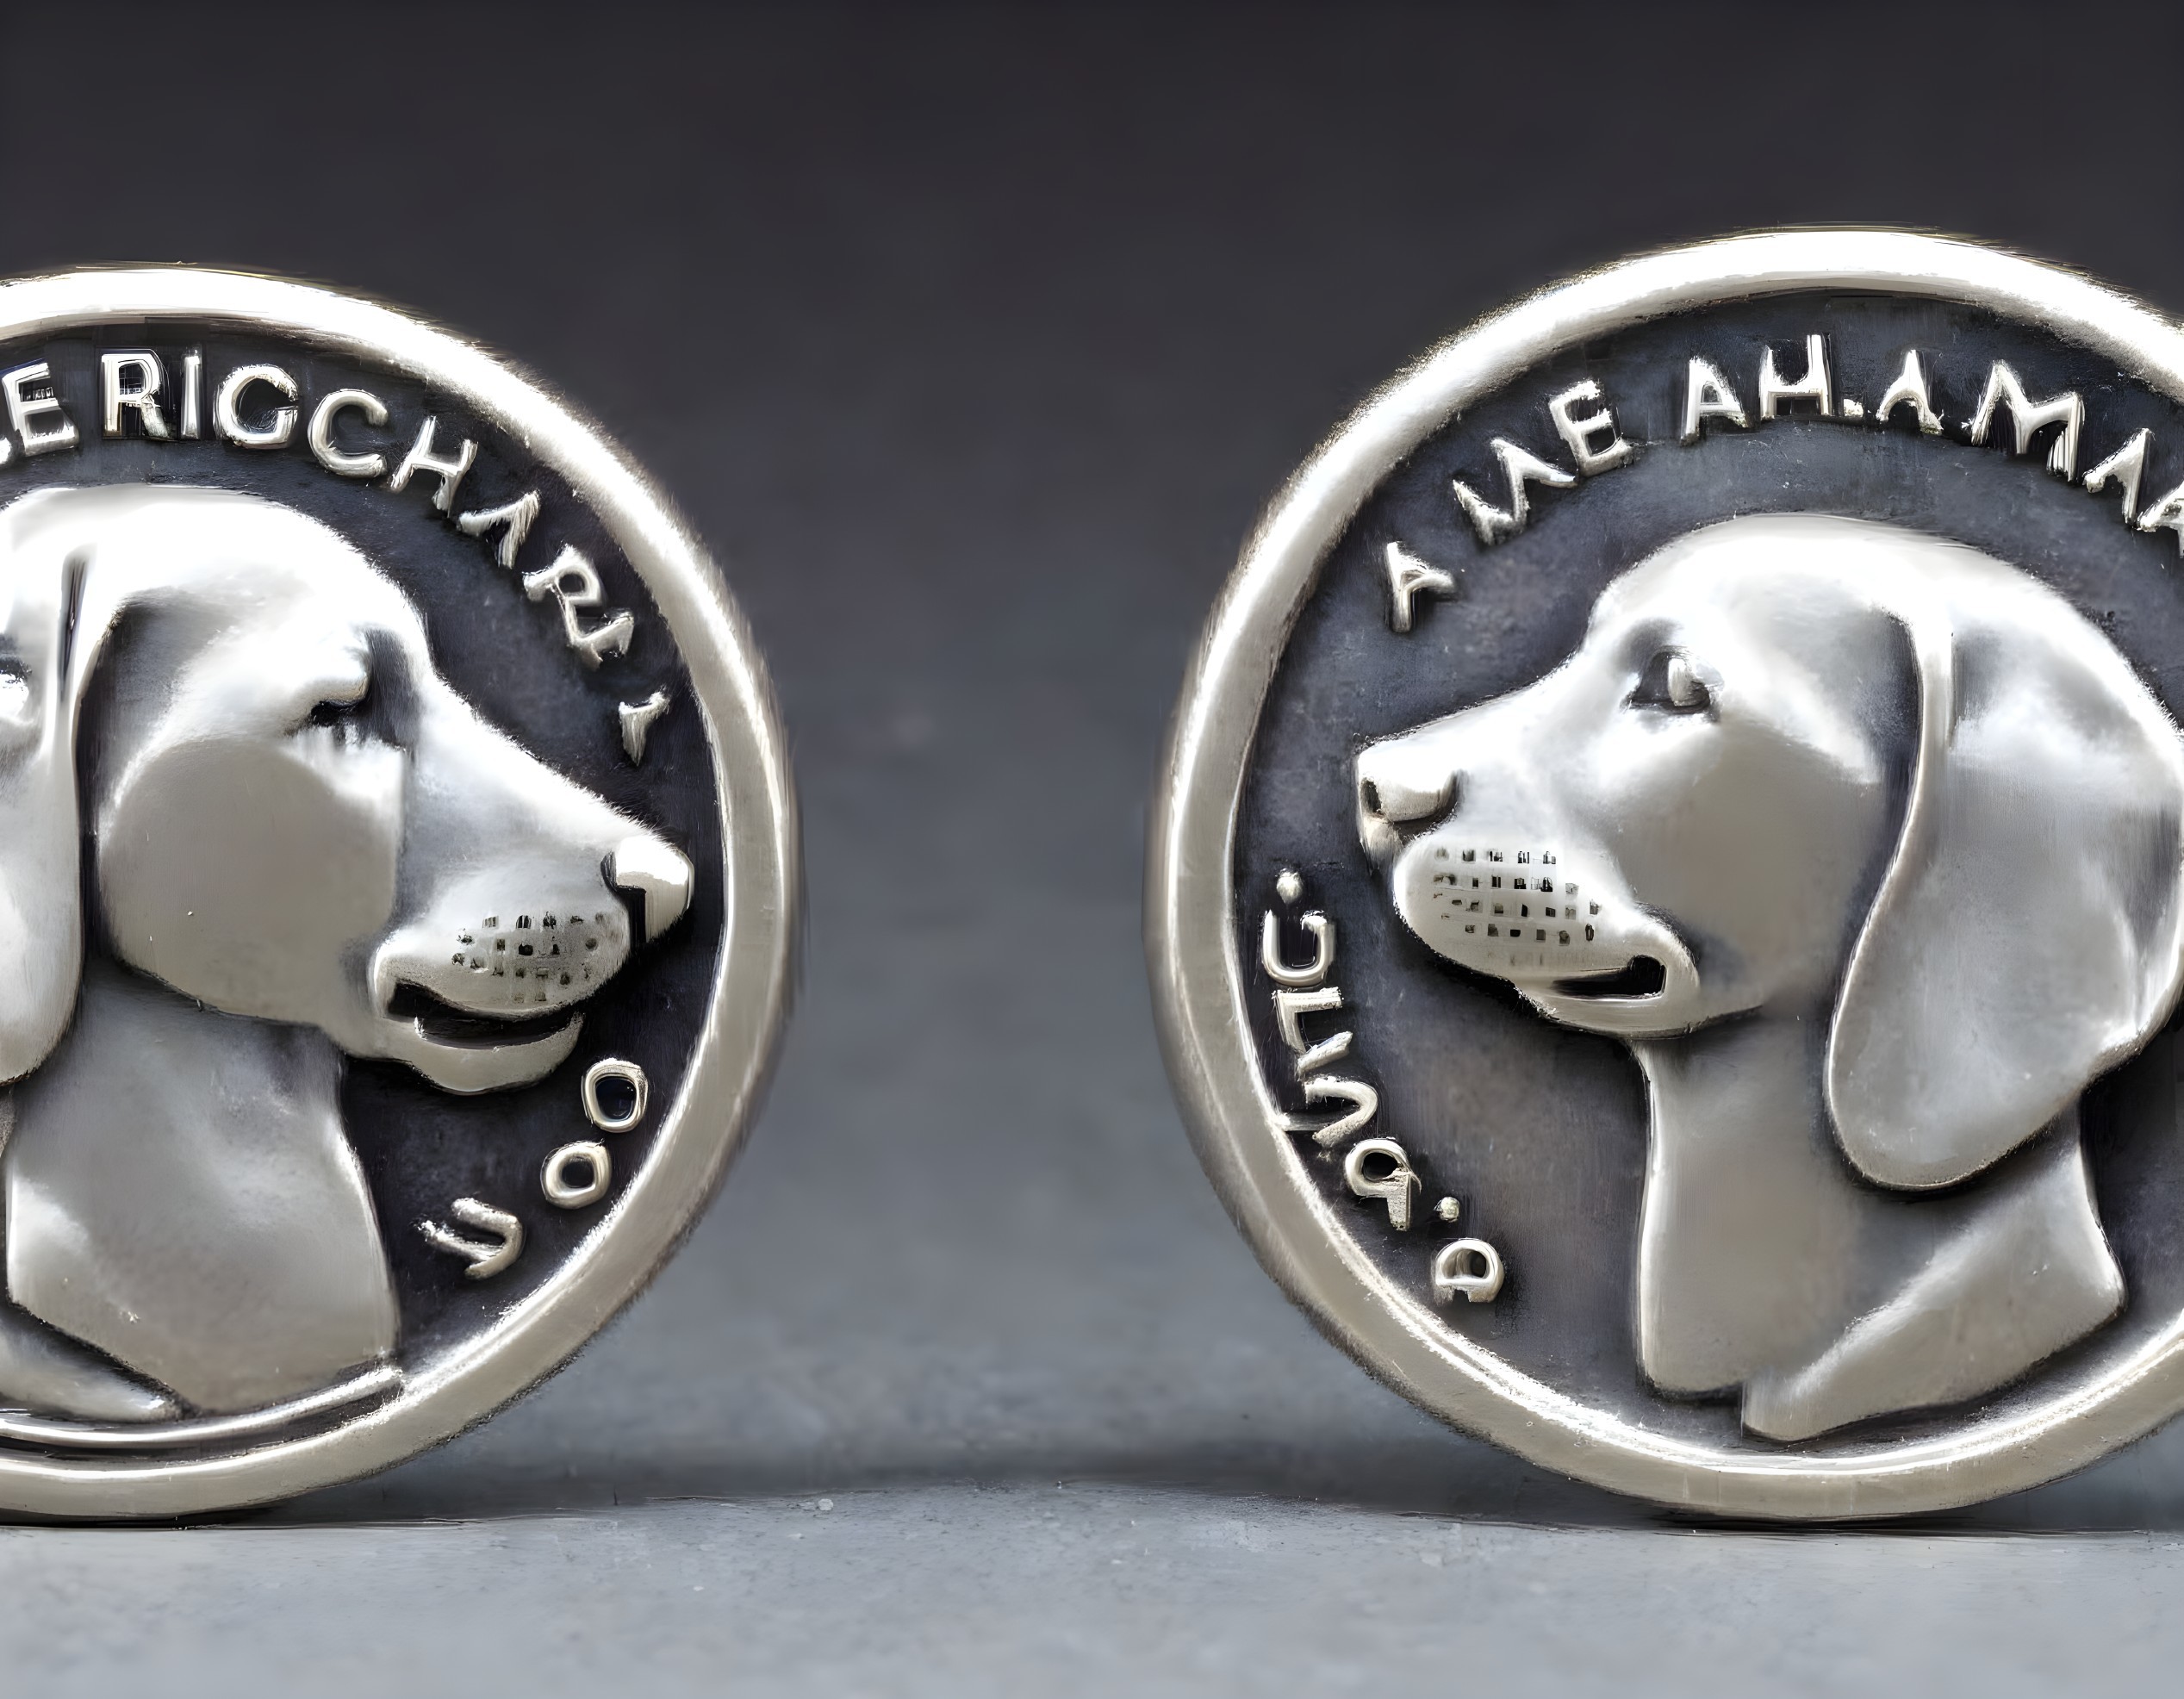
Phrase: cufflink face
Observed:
(396, 888)
(1665, 908)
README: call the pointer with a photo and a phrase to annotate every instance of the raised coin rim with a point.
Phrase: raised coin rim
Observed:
(719, 1092)
(1198, 976)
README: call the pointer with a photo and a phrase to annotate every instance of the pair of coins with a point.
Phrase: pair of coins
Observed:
(1663, 902)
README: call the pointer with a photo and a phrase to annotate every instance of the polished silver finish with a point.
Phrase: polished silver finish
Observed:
(1938, 1238)
(330, 455)
(448, 469)
(1467, 1268)
(1521, 469)
(1812, 386)
(223, 1246)
(2042, 845)
(1590, 437)
(485, 1261)
(2125, 468)
(1409, 578)
(638, 719)
(629, 1077)
(577, 1174)
(306, 847)
(131, 380)
(278, 424)
(1708, 394)
(34, 414)
(2005, 392)
(1910, 389)
(365, 1387)
(1379, 1168)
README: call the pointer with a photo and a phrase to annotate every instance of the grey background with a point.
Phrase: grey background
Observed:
(972, 341)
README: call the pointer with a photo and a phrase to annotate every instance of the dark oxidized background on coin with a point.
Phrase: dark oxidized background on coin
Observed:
(1539, 1131)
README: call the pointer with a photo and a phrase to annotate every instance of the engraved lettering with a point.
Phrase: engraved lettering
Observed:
(1270, 949)
(1292, 1006)
(1578, 434)
(1380, 1168)
(513, 518)
(486, 1261)
(31, 401)
(2125, 467)
(319, 434)
(193, 390)
(1364, 1101)
(612, 1070)
(2029, 417)
(1708, 395)
(573, 582)
(2166, 514)
(1327, 1050)
(1407, 576)
(1519, 467)
(1468, 1267)
(576, 1174)
(637, 718)
(611, 639)
(1812, 387)
(130, 381)
(448, 469)
(1910, 391)
(226, 408)
(1300, 991)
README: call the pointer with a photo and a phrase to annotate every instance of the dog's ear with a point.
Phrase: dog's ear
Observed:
(41, 905)
(2025, 934)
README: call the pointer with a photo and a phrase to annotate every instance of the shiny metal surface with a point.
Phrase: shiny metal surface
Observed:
(320, 829)
(1839, 729)
(1723, 826)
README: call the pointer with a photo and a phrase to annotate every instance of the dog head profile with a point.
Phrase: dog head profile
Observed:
(1823, 770)
(248, 828)
(291, 814)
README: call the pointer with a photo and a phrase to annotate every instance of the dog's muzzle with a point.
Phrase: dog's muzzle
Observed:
(1391, 809)
(1486, 876)
(486, 989)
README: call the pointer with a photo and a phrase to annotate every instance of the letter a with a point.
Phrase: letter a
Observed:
(1407, 575)
(1706, 394)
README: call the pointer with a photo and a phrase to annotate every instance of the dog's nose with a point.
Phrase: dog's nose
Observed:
(1391, 798)
(658, 873)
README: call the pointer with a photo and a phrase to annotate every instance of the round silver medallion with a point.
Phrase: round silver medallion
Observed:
(1667, 905)
(395, 897)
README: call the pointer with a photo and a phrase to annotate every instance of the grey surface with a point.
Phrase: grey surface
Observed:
(1071, 1590)
(974, 342)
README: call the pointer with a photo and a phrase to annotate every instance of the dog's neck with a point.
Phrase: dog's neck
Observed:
(1765, 1262)
(181, 1195)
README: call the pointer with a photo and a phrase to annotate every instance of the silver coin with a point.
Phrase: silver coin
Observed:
(396, 888)
(1665, 904)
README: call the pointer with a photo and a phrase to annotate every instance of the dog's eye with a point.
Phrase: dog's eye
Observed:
(1670, 683)
(338, 713)
(351, 721)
